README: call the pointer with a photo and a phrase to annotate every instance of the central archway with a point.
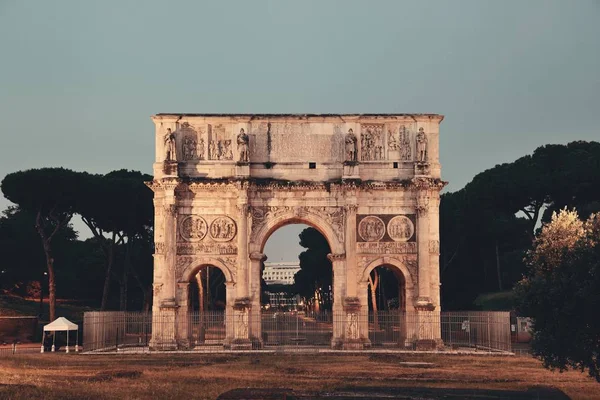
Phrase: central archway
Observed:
(317, 326)
(302, 313)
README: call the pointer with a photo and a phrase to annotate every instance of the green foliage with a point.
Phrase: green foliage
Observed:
(487, 227)
(561, 292)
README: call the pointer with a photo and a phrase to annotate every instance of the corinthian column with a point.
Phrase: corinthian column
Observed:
(350, 247)
(242, 265)
(424, 298)
(170, 212)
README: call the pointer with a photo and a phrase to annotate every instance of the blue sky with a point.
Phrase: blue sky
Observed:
(80, 79)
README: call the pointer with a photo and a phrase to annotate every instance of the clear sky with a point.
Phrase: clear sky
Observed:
(80, 79)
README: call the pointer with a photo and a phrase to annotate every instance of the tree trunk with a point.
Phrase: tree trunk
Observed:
(123, 282)
(148, 299)
(209, 305)
(373, 282)
(41, 297)
(201, 306)
(108, 272)
(46, 240)
(498, 268)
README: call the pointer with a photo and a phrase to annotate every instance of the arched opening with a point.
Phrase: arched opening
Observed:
(297, 282)
(387, 306)
(207, 303)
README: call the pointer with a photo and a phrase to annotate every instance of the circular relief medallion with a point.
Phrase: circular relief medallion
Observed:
(371, 228)
(193, 228)
(223, 229)
(400, 228)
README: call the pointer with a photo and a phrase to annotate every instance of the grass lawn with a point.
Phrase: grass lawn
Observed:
(183, 376)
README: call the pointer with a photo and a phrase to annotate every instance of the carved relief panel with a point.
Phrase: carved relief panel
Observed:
(220, 146)
(192, 142)
(386, 234)
(371, 142)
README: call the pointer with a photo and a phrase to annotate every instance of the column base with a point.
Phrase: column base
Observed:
(240, 344)
(356, 344)
(424, 304)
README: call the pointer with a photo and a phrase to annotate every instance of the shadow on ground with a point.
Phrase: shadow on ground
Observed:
(395, 393)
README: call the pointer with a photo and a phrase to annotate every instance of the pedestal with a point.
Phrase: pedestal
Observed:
(427, 329)
(164, 328)
(351, 170)
(422, 169)
(241, 325)
(242, 170)
(170, 169)
(355, 337)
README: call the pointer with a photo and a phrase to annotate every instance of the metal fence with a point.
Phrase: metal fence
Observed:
(214, 331)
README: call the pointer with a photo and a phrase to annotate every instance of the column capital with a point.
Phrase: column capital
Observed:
(422, 202)
(351, 207)
(243, 208)
(336, 257)
(170, 209)
(256, 256)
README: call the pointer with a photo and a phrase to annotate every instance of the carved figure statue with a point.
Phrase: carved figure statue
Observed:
(242, 142)
(392, 142)
(421, 146)
(351, 142)
(219, 149)
(405, 153)
(212, 150)
(170, 150)
(227, 152)
(201, 149)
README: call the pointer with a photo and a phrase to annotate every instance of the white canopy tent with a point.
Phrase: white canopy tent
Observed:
(61, 324)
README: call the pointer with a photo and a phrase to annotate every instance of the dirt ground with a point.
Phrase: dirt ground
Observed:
(318, 376)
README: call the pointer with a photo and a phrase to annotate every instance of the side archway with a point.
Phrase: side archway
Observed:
(195, 328)
(199, 262)
(400, 267)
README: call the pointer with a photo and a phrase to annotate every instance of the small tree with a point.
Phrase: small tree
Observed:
(49, 194)
(562, 293)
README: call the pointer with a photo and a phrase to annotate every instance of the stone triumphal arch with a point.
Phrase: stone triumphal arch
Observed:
(223, 184)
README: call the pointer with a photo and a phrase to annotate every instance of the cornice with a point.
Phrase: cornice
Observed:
(254, 184)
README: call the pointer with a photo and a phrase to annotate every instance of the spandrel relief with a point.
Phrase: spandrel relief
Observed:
(193, 228)
(223, 229)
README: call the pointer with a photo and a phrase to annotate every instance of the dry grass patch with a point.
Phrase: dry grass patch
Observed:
(197, 376)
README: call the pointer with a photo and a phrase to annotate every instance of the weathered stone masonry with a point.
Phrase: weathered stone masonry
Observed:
(224, 183)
